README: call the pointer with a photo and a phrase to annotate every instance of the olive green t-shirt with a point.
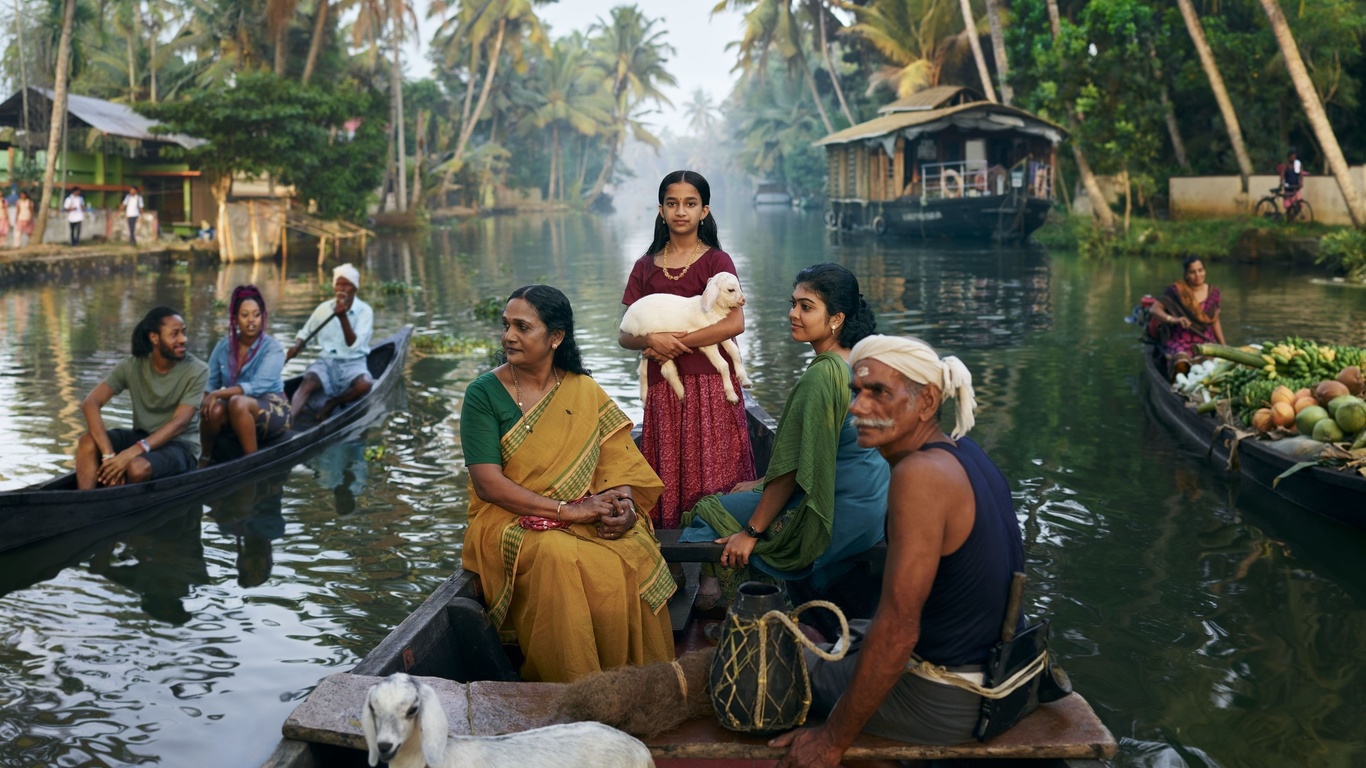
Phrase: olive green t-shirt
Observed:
(156, 396)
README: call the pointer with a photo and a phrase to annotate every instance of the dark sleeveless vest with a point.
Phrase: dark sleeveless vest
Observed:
(962, 616)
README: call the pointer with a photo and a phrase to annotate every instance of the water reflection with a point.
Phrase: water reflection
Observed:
(1206, 624)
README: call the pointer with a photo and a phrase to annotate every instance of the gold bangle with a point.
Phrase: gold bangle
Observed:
(559, 508)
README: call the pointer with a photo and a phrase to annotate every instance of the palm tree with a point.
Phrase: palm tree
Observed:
(279, 17)
(58, 124)
(375, 17)
(974, 40)
(478, 31)
(915, 37)
(573, 100)
(818, 10)
(772, 26)
(998, 49)
(1216, 84)
(1313, 110)
(633, 56)
(701, 113)
(1100, 209)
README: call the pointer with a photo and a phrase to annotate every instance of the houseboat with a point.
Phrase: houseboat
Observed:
(943, 162)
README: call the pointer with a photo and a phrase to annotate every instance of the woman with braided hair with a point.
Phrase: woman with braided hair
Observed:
(245, 389)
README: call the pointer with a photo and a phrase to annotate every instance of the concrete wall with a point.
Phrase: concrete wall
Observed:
(1212, 197)
(99, 225)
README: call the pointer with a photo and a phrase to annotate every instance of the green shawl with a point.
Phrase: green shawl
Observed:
(807, 441)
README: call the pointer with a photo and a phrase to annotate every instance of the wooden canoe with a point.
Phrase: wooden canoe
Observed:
(55, 507)
(448, 639)
(1337, 494)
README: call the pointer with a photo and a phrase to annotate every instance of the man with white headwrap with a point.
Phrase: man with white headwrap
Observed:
(952, 544)
(340, 374)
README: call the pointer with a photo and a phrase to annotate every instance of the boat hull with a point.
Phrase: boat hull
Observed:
(56, 506)
(985, 218)
(1336, 494)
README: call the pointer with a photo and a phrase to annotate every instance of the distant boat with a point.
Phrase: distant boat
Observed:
(943, 162)
(772, 193)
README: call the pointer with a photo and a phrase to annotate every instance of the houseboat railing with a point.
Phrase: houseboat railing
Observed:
(974, 178)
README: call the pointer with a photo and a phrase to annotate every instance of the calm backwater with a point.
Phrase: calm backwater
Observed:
(1206, 628)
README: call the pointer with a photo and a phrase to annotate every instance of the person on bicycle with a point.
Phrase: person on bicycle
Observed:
(1292, 180)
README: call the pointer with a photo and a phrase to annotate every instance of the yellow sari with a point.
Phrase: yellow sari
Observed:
(574, 603)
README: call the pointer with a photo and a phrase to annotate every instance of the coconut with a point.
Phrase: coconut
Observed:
(1351, 416)
(1282, 415)
(1339, 401)
(1350, 377)
(1303, 392)
(1282, 394)
(1304, 402)
(1327, 431)
(1261, 420)
(1308, 417)
(1327, 390)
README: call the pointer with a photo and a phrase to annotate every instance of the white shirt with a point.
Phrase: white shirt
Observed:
(132, 205)
(74, 205)
(332, 339)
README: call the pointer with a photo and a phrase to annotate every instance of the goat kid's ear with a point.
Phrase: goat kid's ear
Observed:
(432, 719)
(711, 294)
(367, 726)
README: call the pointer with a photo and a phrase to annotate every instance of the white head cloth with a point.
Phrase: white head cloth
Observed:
(918, 362)
(349, 272)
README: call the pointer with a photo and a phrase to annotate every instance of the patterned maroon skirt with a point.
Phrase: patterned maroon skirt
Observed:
(699, 446)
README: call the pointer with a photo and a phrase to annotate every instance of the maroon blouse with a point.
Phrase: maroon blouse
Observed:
(647, 278)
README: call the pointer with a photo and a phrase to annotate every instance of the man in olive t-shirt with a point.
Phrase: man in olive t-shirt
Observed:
(165, 385)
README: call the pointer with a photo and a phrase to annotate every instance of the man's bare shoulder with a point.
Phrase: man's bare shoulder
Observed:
(928, 476)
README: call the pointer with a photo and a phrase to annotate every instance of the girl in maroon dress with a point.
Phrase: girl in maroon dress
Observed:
(699, 446)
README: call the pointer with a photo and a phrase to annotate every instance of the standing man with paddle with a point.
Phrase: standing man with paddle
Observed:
(340, 374)
(953, 543)
(165, 385)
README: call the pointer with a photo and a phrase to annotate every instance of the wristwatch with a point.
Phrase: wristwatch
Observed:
(753, 534)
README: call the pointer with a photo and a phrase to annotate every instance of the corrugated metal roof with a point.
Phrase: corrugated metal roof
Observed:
(930, 98)
(887, 124)
(87, 112)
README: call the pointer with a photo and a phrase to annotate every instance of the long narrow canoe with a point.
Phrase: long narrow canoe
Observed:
(56, 506)
(1337, 494)
(448, 639)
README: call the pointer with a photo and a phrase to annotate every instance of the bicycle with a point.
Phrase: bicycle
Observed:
(1271, 208)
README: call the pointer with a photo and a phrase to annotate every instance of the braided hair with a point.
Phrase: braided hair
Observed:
(241, 294)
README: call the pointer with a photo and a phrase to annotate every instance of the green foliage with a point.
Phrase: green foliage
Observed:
(1345, 252)
(489, 309)
(398, 288)
(266, 125)
(450, 344)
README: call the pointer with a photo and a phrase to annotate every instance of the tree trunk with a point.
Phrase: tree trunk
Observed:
(817, 9)
(1054, 19)
(396, 85)
(219, 188)
(1100, 209)
(23, 69)
(554, 160)
(467, 129)
(55, 130)
(315, 44)
(1174, 131)
(416, 201)
(153, 26)
(974, 40)
(815, 95)
(1313, 109)
(280, 35)
(1216, 84)
(604, 175)
(132, 62)
(998, 50)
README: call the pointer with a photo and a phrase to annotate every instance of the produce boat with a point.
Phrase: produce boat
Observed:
(449, 641)
(56, 506)
(1337, 494)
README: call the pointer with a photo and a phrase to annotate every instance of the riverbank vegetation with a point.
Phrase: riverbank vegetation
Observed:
(519, 115)
(1241, 239)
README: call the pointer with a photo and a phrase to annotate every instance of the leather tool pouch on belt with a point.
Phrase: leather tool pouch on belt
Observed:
(1007, 659)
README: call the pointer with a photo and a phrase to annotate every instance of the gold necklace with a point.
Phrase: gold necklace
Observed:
(669, 246)
(518, 388)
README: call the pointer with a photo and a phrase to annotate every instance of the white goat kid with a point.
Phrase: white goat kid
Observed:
(405, 727)
(666, 313)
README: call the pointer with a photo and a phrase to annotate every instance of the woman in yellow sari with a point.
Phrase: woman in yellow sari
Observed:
(559, 526)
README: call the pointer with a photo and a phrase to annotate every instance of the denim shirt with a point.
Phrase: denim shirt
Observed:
(331, 338)
(259, 377)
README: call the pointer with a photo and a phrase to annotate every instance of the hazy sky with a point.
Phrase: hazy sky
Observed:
(699, 40)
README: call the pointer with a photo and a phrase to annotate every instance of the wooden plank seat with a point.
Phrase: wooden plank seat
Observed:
(707, 552)
(1067, 729)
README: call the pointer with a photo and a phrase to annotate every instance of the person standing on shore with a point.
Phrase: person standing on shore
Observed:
(74, 205)
(23, 220)
(132, 208)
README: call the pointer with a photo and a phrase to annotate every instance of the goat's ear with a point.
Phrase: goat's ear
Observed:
(367, 726)
(434, 724)
(711, 294)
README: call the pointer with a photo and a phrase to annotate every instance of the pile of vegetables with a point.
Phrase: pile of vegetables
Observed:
(1293, 386)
